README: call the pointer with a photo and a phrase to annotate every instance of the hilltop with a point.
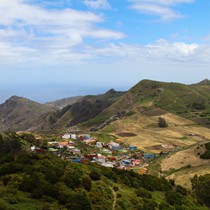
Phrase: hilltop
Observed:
(155, 98)
(83, 110)
(64, 102)
(18, 113)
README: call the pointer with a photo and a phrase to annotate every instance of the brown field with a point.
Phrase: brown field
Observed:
(180, 166)
(148, 134)
(183, 177)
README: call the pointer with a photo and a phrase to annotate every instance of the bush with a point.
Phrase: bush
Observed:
(207, 145)
(206, 155)
(95, 176)
(149, 204)
(162, 122)
(86, 181)
(201, 188)
(143, 193)
(174, 198)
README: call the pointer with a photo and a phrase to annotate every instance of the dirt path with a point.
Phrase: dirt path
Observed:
(115, 198)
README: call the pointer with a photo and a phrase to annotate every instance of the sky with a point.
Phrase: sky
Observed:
(52, 49)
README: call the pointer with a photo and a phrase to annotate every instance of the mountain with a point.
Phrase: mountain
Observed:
(147, 98)
(85, 109)
(18, 113)
(64, 102)
(154, 98)
(203, 82)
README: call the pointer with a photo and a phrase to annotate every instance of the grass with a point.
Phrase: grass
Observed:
(103, 137)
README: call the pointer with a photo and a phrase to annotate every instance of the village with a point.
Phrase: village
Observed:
(82, 148)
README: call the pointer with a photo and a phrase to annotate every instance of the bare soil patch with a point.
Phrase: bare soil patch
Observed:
(126, 134)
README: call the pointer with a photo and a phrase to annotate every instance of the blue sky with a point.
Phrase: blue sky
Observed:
(50, 49)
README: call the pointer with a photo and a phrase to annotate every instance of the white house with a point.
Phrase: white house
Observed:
(99, 144)
(73, 136)
(66, 136)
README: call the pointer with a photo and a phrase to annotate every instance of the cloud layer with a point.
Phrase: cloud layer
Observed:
(35, 35)
(164, 9)
(27, 29)
(97, 4)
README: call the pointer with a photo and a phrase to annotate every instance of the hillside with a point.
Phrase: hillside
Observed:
(18, 113)
(86, 108)
(183, 165)
(64, 102)
(33, 181)
(154, 98)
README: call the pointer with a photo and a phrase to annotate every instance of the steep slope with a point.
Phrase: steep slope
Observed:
(154, 98)
(64, 102)
(87, 108)
(18, 113)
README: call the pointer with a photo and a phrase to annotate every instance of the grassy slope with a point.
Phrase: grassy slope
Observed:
(149, 134)
(176, 98)
(182, 165)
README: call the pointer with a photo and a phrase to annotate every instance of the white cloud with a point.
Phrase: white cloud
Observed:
(161, 8)
(161, 51)
(35, 27)
(97, 4)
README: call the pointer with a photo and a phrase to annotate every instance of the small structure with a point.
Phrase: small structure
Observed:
(126, 162)
(148, 156)
(70, 147)
(90, 156)
(62, 144)
(115, 146)
(76, 151)
(75, 160)
(100, 158)
(66, 136)
(85, 160)
(52, 150)
(70, 143)
(73, 136)
(106, 151)
(99, 144)
(132, 148)
(33, 148)
(136, 162)
(108, 164)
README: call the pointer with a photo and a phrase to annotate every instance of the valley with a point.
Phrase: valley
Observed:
(156, 128)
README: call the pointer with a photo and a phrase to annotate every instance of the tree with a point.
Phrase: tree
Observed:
(201, 188)
(162, 122)
(86, 181)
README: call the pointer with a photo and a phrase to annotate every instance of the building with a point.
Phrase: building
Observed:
(148, 156)
(132, 148)
(66, 136)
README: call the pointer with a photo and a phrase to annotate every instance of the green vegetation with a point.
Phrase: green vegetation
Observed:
(41, 181)
(162, 122)
(201, 188)
(206, 154)
(156, 98)
(103, 137)
(85, 109)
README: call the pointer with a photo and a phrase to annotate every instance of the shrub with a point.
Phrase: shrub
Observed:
(162, 122)
(95, 176)
(86, 181)
(143, 193)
